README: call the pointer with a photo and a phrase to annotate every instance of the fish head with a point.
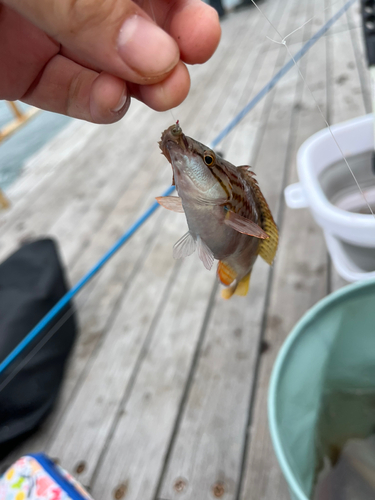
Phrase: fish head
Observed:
(195, 166)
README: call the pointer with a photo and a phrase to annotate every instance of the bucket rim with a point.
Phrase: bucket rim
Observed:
(278, 366)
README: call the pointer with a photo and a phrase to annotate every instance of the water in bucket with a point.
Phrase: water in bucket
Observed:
(322, 396)
(345, 446)
(340, 189)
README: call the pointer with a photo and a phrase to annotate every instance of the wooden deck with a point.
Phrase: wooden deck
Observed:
(165, 395)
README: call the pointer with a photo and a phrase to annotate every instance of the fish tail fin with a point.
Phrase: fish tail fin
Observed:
(228, 277)
(243, 285)
(227, 293)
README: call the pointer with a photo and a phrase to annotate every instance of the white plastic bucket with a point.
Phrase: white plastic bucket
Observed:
(342, 228)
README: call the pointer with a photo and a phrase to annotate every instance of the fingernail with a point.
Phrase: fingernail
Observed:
(123, 102)
(146, 48)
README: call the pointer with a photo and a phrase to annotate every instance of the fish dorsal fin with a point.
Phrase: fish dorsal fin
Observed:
(184, 247)
(205, 254)
(267, 248)
(173, 203)
(243, 225)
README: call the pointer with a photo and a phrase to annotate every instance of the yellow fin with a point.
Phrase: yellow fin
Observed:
(240, 288)
(243, 286)
(227, 277)
(4, 202)
(227, 293)
(267, 248)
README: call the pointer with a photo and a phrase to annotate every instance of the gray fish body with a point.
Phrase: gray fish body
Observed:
(207, 221)
(224, 208)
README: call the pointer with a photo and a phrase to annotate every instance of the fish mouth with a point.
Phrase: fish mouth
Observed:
(173, 139)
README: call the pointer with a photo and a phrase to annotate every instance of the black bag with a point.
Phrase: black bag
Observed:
(31, 282)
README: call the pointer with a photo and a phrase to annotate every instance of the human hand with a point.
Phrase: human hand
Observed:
(85, 58)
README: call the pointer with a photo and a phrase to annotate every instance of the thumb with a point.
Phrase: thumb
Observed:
(115, 36)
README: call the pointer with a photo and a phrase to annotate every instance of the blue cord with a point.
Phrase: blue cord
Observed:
(59, 306)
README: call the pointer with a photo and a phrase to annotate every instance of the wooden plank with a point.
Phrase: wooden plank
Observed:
(88, 419)
(97, 306)
(346, 91)
(241, 73)
(237, 146)
(205, 458)
(80, 184)
(95, 310)
(56, 447)
(355, 27)
(135, 453)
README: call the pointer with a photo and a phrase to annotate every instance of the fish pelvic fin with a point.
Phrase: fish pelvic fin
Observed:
(267, 248)
(184, 247)
(205, 254)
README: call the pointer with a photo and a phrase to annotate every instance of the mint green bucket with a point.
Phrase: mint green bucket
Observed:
(334, 343)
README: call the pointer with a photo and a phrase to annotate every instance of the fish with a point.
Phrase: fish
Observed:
(227, 215)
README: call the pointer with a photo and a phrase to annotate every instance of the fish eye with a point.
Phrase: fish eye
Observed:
(208, 159)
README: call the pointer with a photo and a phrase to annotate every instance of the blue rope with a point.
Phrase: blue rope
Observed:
(59, 306)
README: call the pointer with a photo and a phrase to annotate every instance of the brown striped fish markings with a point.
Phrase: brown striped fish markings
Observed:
(227, 215)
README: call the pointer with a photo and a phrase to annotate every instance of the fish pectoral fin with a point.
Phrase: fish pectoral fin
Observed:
(173, 203)
(244, 226)
(205, 254)
(184, 247)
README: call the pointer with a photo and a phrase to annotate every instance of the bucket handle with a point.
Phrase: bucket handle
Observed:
(295, 197)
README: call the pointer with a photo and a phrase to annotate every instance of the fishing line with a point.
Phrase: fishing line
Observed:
(174, 118)
(59, 306)
(154, 18)
(290, 64)
(283, 42)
